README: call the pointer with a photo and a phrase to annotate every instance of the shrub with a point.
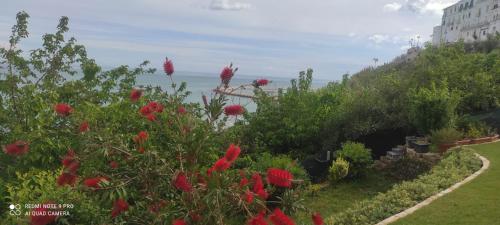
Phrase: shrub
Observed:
(453, 168)
(265, 160)
(358, 156)
(445, 136)
(339, 170)
(408, 168)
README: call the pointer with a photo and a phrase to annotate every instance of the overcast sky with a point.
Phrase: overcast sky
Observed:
(262, 37)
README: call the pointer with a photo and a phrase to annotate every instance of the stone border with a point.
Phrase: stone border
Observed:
(486, 165)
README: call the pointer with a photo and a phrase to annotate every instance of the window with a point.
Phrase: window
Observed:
(495, 6)
(484, 32)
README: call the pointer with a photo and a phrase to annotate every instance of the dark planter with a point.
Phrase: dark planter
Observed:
(421, 147)
(410, 140)
(444, 147)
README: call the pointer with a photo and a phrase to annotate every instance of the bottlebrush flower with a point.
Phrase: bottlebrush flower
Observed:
(113, 164)
(151, 117)
(181, 110)
(221, 165)
(258, 219)
(40, 216)
(257, 183)
(155, 107)
(178, 222)
(63, 109)
(140, 149)
(69, 158)
(317, 219)
(66, 179)
(73, 167)
(135, 95)
(145, 110)
(168, 67)
(95, 182)
(279, 218)
(119, 206)
(243, 182)
(261, 82)
(226, 75)
(262, 193)
(17, 148)
(181, 182)
(232, 153)
(248, 196)
(84, 127)
(141, 137)
(234, 110)
(279, 177)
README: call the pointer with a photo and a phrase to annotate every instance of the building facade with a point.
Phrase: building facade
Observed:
(468, 20)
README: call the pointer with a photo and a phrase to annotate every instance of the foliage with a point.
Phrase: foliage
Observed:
(338, 170)
(358, 156)
(445, 136)
(408, 168)
(453, 168)
(265, 160)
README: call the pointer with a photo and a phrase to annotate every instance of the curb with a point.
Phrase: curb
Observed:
(486, 165)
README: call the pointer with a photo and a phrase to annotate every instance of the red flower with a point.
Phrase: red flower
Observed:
(119, 206)
(66, 178)
(145, 110)
(279, 177)
(234, 110)
(63, 109)
(226, 75)
(178, 222)
(261, 82)
(151, 117)
(262, 193)
(210, 171)
(258, 219)
(40, 215)
(141, 137)
(181, 182)
(95, 182)
(16, 148)
(168, 67)
(181, 110)
(73, 167)
(140, 149)
(232, 153)
(248, 196)
(69, 158)
(155, 107)
(317, 219)
(84, 127)
(257, 183)
(135, 94)
(279, 218)
(243, 182)
(113, 164)
(221, 165)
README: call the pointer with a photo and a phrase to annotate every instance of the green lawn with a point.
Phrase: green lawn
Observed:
(477, 202)
(336, 198)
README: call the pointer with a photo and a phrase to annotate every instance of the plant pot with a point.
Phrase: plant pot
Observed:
(464, 142)
(410, 140)
(421, 147)
(444, 147)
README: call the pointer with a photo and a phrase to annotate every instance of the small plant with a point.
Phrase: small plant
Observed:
(358, 156)
(408, 168)
(445, 136)
(339, 170)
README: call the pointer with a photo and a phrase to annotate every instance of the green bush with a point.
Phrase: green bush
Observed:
(358, 156)
(408, 168)
(453, 168)
(265, 160)
(339, 170)
(445, 136)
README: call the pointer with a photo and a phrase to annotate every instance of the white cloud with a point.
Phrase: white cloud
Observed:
(379, 38)
(229, 5)
(392, 7)
(428, 6)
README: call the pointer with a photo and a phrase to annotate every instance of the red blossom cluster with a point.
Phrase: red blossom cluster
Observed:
(181, 110)
(140, 138)
(40, 215)
(17, 148)
(119, 206)
(150, 110)
(95, 182)
(63, 109)
(135, 95)
(84, 127)
(279, 218)
(225, 162)
(181, 183)
(179, 222)
(226, 75)
(70, 167)
(234, 110)
(317, 219)
(261, 82)
(279, 177)
(168, 67)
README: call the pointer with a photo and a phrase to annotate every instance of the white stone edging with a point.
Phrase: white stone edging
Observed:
(394, 218)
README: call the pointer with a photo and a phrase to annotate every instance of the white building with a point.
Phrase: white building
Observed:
(468, 20)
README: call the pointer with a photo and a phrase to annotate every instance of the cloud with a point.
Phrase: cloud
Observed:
(379, 38)
(229, 5)
(428, 6)
(392, 7)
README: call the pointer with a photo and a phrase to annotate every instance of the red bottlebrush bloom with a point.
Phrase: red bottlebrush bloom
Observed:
(151, 117)
(226, 75)
(317, 219)
(248, 197)
(168, 67)
(181, 110)
(73, 167)
(94, 182)
(155, 107)
(262, 193)
(257, 183)
(84, 127)
(221, 165)
(234, 110)
(119, 206)
(145, 110)
(69, 158)
(63, 109)
(243, 182)
(135, 95)
(258, 219)
(210, 171)
(17, 148)
(113, 164)
(66, 178)
(179, 222)
(279, 218)
(181, 183)
(261, 82)
(141, 137)
(140, 149)
(279, 177)
(232, 153)
(40, 215)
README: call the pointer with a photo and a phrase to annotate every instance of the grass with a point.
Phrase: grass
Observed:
(475, 203)
(336, 198)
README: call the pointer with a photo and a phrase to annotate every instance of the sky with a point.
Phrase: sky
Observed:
(262, 37)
